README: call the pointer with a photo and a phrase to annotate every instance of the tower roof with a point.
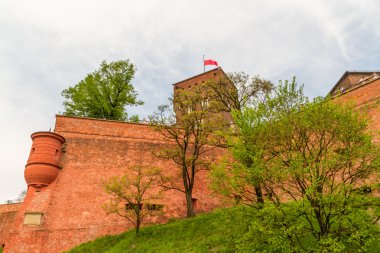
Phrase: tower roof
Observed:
(211, 74)
(353, 79)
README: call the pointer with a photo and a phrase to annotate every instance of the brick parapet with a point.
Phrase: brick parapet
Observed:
(107, 128)
(12, 207)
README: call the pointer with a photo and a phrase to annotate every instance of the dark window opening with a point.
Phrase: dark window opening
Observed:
(154, 207)
(132, 206)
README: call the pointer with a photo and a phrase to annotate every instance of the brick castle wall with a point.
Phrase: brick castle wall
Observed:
(366, 99)
(72, 205)
(8, 214)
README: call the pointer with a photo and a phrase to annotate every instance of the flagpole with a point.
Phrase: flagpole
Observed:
(204, 67)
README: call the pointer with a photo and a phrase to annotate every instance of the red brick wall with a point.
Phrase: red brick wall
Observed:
(7, 217)
(72, 204)
(366, 99)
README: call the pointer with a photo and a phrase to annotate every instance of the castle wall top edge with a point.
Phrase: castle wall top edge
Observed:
(48, 134)
(98, 119)
(11, 204)
(66, 125)
(204, 74)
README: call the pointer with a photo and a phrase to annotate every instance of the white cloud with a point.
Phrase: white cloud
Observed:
(48, 45)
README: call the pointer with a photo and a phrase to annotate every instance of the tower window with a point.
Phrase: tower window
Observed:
(205, 103)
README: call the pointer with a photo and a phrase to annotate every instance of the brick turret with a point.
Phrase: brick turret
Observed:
(44, 159)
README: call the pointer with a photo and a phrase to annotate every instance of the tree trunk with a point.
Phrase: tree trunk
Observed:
(259, 194)
(189, 204)
(138, 219)
(138, 223)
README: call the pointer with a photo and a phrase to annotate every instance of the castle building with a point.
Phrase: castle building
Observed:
(219, 77)
(363, 90)
(65, 169)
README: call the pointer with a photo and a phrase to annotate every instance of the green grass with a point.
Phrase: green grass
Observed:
(197, 234)
(220, 231)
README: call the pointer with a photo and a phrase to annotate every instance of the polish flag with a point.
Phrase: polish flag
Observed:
(210, 62)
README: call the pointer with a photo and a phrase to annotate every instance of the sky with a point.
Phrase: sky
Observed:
(47, 46)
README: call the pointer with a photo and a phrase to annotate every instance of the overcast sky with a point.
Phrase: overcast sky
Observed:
(46, 46)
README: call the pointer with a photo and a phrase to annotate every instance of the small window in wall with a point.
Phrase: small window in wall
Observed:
(34, 218)
(132, 206)
(232, 125)
(154, 207)
(205, 103)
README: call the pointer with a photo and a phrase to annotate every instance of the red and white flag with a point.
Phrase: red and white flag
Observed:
(210, 62)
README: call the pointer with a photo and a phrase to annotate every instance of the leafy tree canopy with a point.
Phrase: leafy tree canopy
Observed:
(311, 162)
(103, 93)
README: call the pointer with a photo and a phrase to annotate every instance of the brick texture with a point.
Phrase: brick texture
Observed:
(72, 204)
(7, 217)
(366, 99)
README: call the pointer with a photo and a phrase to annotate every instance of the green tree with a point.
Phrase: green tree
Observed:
(133, 195)
(324, 154)
(237, 91)
(244, 176)
(190, 124)
(311, 157)
(103, 93)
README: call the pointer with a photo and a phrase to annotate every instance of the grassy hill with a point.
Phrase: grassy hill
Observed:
(227, 230)
(198, 234)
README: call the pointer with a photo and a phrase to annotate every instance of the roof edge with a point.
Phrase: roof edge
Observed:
(352, 72)
(209, 71)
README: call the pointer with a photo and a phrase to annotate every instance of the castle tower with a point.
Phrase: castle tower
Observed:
(44, 159)
(216, 75)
